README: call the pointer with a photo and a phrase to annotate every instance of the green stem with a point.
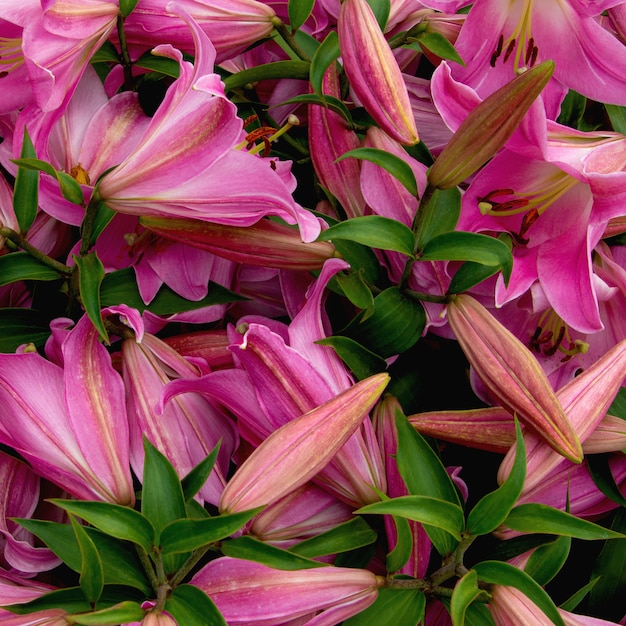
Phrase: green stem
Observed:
(164, 586)
(290, 40)
(148, 567)
(188, 565)
(125, 57)
(20, 242)
(86, 228)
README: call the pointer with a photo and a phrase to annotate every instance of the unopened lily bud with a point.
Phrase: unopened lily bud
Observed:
(488, 127)
(264, 244)
(297, 451)
(158, 618)
(512, 374)
(373, 71)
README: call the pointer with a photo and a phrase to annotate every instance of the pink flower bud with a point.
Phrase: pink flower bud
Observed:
(512, 374)
(373, 71)
(297, 451)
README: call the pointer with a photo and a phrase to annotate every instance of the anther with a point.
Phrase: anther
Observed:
(509, 50)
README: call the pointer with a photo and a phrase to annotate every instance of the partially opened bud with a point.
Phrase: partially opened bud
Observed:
(297, 451)
(373, 71)
(264, 244)
(488, 127)
(512, 374)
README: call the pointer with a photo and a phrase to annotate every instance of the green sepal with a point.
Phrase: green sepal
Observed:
(113, 519)
(541, 518)
(26, 189)
(500, 573)
(186, 535)
(392, 606)
(494, 507)
(192, 607)
(252, 549)
(424, 509)
(195, 479)
(91, 579)
(350, 535)
(90, 277)
(393, 164)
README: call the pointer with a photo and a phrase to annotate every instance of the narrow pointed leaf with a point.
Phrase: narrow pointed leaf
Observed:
(546, 561)
(195, 479)
(113, 519)
(577, 597)
(254, 550)
(90, 277)
(381, 10)
(439, 45)
(122, 613)
(356, 289)
(186, 535)
(541, 518)
(334, 104)
(465, 592)
(325, 54)
(392, 606)
(21, 266)
(361, 361)
(396, 166)
(462, 246)
(500, 573)
(617, 115)
(374, 231)
(127, 6)
(440, 215)
(425, 475)
(192, 607)
(26, 190)
(278, 69)
(423, 509)
(350, 535)
(401, 553)
(91, 573)
(494, 508)
(299, 11)
(600, 472)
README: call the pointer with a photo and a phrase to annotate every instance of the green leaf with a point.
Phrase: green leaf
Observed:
(186, 535)
(361, 361)
(162, 498)
(610, 567)
(90, 277)
(465, 592)
(393, 164)
(21, 266)
(423, 509)
(113, 519)
(395, 325)
(573, 110)
(541, 518)
(107, 53)
(360, 258)
(195, 479)
(325, 54)
(127, 6)
(299, 11)
(21, 326)
(618, 406)
(252, 549)
(401, 553)
(576, 598)
(356, 289)
(70, 189)
(381, 10)
(120, 287)
(161, 65)
(392, 606)
(122, 613)
(350, 535)
(600, 472)
(192, 607)
(462, 246)
(103, 216)
(546, 561)
(440, 46)
(469, 275)
(91, 572)
(26, 190)
(500, 573)
(330, 102)
(120, 564)
(494, 507)
(440, 215)
(278, 69)
(617, 115)
(424, 475)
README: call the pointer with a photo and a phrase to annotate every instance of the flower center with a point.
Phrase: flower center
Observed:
(506, 202)
(80, 174)
(520, 43)
(11, 56)
(552, 335)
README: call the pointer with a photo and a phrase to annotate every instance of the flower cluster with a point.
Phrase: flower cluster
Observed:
(312, 312)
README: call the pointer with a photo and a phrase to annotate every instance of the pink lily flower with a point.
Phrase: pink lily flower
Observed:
(185, 429)
(69, 423)
(248, 593)
(193, 136)
(500, 38)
